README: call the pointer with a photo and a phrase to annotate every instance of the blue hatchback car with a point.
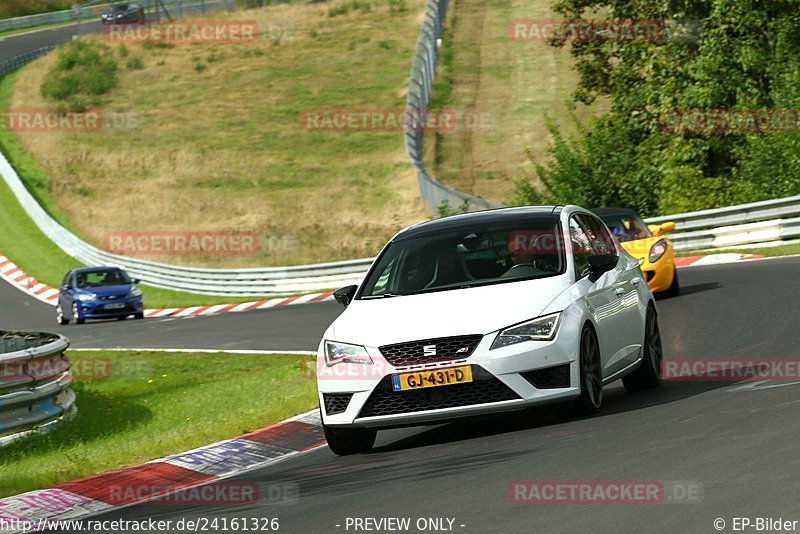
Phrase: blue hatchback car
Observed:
(98, 293)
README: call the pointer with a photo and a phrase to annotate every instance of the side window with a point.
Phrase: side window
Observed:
(381, 283)
(67, 279)
(581, 248)
(598, 234)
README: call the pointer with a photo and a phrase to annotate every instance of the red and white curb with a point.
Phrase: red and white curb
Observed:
(714, 259)
(161, 478)
(17, 278)
(49, 295)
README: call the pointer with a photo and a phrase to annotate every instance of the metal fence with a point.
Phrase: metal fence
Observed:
(35, 380)
(433, 192)
(177, 9)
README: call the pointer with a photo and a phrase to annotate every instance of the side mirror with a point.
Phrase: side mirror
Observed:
(135, 280)
(601, 263)
(345, 295)
(667, 227)
(68, 287)
(655, 229)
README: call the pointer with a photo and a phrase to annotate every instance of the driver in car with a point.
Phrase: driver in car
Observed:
(523, 247)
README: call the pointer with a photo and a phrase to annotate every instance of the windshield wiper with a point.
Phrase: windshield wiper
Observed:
(382, 296)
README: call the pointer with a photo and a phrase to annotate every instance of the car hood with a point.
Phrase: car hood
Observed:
(477, 310)
(110, 291)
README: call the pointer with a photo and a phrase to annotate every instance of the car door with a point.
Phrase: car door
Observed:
(67, 294)
(627, 281)
(599, 296)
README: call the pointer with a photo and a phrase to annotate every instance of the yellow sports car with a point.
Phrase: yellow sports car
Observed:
(648, 244)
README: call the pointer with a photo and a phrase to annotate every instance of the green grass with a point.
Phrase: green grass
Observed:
(23, 242)
(154, 404)
(220, 142)
(21, 8)
(780, 250)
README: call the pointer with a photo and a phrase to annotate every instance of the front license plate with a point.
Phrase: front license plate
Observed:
(430, 379)
(115, 306)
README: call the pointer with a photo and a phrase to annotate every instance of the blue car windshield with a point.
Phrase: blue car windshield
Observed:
(111, 277)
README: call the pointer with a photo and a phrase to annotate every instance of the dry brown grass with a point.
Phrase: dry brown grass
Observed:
(224, 149)
(513, 85)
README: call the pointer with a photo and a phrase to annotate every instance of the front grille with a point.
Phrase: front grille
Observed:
(446, 348)
(336, 402)
(550, 378)
(485, 388)
(112, 297)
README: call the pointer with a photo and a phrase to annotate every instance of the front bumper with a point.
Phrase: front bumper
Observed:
(659, 275)
(361, 396)
(104, 309)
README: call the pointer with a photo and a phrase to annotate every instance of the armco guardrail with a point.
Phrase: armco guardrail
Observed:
(89, 12)
(433, 192)
(746, 224)
(16, 62)
(35, 380)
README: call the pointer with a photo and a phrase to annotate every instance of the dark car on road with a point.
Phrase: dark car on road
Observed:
(124, 14)
(98, 293)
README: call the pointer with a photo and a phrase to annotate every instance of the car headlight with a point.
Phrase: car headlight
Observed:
(657, 250)
(85, 297)
(135, 292)
(344, 352)
(540, 329)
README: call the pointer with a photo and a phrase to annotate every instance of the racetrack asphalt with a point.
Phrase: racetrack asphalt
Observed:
(738, 443)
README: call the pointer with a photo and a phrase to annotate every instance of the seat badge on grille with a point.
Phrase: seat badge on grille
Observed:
(429, 350)
(462, 350)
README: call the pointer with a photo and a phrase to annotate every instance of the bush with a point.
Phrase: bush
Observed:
(83, 71)
(135, 63)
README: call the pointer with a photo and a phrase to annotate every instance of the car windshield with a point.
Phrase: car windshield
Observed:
(627, 227)
(111, 277)
(468, 256)
(120, 8)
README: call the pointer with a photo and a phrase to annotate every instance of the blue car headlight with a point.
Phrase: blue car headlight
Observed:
(135, 292)
(85, 297)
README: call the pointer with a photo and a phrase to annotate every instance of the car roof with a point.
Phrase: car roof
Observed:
(611, 212)
(491, 216)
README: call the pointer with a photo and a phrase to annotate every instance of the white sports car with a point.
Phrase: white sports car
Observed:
(486, 312)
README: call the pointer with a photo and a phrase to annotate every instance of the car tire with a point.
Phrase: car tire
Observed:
(60, 316)
(346, 441)
(648, 374)
(139, 315)
(122, 318)
(591, 376)
(674, 289)
(76, 316)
